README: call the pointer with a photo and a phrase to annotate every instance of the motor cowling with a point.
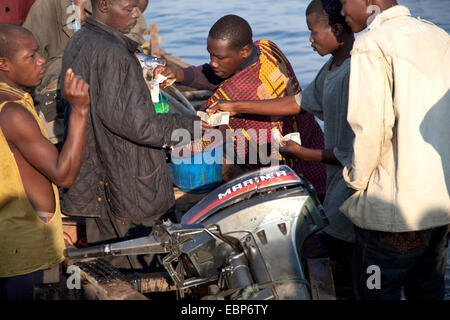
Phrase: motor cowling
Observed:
(266, 214)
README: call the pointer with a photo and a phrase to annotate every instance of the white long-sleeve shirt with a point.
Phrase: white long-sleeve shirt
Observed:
(399, 110)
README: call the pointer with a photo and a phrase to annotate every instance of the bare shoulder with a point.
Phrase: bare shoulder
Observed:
(17, 122)
(12, 111)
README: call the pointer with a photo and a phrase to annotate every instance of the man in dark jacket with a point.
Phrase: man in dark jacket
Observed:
(124, 181)
(53, 23)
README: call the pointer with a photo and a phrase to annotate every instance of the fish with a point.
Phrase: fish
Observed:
(150, 62)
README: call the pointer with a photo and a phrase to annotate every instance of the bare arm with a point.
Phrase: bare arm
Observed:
(275, 107)
(22, 131)
(200, 77)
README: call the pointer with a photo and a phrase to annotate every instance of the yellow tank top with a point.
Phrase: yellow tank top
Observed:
(27, 243)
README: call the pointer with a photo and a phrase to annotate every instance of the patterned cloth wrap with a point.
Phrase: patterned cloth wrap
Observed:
(270, 77)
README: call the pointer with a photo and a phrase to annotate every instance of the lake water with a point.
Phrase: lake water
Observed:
(184, 26)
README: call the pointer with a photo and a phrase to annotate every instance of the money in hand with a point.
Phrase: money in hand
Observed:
(281, 140)
(216, 119)
(294, 136)
(160, 78)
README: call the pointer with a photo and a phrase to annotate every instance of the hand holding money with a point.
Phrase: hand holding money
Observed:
(154, 86)
(291, 149)
(294, 136)
(282, 140)
(165, 76)
(216, 119)
(223, 106)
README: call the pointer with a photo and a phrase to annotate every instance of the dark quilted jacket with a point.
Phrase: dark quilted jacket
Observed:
(124, 169)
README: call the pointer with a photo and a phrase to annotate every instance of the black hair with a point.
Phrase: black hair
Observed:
(9, 34)
(329, 9)
(233, 29)
(145, 5)
(94, 3)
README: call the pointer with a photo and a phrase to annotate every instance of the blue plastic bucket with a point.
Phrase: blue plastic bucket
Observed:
(200, 173)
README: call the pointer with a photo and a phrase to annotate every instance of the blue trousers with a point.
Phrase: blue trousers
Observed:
(20, 287)
(414, 261)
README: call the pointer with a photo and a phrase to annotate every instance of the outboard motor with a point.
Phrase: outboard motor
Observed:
(267, 214)
(244, 239)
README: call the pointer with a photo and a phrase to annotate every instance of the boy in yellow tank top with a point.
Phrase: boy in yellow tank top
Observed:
(31, 235)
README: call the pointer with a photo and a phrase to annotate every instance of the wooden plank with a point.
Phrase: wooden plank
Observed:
(154, 38)
(106, 282)
(74, 228)
(113, 290)
(56, 291)
(154, 282)
(173, 60)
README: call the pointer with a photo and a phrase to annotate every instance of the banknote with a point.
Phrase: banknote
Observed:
(162, 78)
(216, 119)
(154, 91)
(294, 136)
(281, 140)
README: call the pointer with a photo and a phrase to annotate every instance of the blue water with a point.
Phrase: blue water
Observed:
(184, 26)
